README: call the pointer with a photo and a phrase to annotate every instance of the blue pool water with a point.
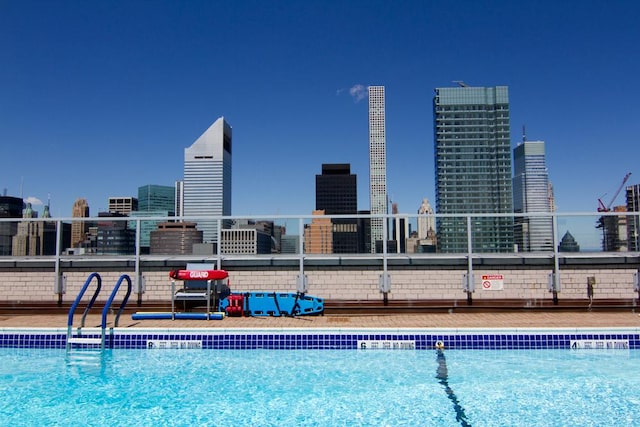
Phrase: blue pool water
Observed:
(320, 387)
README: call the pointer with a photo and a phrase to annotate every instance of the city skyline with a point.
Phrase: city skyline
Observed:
(101, 98)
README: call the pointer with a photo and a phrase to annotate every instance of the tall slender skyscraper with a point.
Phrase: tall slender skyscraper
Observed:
(207, 179)
(473, 167)
(377, 162)
(531, 195)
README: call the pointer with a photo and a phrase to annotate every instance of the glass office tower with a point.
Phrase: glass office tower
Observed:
(473, 168)
(153, 201)
(156, 198)
(337, 194)
(531, 195)
(207, 179)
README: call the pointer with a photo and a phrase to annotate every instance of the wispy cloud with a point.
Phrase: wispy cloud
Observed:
(358, 92)
(33, 200)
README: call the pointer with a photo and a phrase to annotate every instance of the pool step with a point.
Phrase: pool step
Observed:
(86, 358)
(84, 340)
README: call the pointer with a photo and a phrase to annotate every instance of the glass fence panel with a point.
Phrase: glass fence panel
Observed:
(452, 234)
(9, 230)
(605, 232)
(577, 234)
(322, 235)
(318, 235)
(533, 234)
(633, 231)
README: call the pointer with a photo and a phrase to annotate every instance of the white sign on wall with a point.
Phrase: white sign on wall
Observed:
(492, 282)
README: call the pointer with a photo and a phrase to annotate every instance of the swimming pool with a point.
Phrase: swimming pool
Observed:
(319, 387)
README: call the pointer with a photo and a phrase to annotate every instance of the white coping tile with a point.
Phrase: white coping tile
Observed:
(318, 331)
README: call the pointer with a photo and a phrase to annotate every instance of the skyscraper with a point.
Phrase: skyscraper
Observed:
(426, 221)
(531, 195)
(633, 221)
(79, 228)
(153, 201)
(207, 179)
(472, 153)
(156, 198)
(318, 238)
(336, 194)
(568, 243)
(377, 162)
(35, 237)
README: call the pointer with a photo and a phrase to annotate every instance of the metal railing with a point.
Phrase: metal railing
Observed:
(468, 237)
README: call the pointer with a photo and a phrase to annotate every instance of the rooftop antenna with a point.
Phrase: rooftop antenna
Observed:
(460, 83)
(524, 134)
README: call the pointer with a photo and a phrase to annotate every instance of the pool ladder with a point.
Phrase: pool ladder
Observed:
(91, 340)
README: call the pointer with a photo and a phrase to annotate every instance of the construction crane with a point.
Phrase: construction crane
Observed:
(611, 239)
(607, 208)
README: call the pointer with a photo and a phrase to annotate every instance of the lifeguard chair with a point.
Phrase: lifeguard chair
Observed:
(201, 284)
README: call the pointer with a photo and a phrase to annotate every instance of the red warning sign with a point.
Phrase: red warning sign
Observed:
(493, 282)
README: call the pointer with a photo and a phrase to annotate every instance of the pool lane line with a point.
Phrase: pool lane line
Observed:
(442, 375)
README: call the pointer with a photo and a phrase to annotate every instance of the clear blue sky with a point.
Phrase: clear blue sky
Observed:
(100, 97)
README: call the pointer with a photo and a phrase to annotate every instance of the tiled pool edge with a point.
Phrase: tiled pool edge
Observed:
(330, 339)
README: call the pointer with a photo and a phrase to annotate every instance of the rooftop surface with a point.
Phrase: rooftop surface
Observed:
(520, 319)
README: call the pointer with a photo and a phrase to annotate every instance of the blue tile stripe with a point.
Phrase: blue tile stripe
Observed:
(325, 340)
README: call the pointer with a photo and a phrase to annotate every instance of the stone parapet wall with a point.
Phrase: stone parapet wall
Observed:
(23, 285)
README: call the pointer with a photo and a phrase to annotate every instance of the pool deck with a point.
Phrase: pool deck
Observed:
(523, 319)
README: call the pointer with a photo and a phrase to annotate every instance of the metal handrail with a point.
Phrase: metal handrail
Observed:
(73, 307)
(107, 305)
(79, 297)
(106, 308)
